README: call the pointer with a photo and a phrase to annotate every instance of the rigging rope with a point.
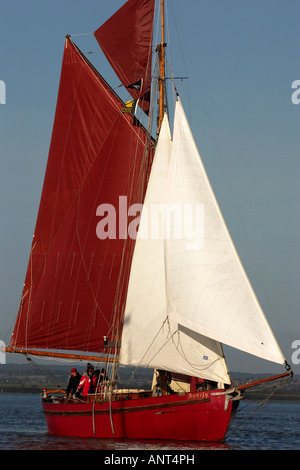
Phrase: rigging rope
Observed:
(47, 374)
(81, 34)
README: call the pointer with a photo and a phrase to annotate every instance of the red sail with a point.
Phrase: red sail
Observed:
(76, 283)
(126, 40)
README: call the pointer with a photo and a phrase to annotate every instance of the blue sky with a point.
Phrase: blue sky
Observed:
(241, 58)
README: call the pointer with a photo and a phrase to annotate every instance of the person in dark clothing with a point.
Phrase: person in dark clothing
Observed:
(73, 383)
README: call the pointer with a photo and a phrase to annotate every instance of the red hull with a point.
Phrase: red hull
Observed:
(199, 416)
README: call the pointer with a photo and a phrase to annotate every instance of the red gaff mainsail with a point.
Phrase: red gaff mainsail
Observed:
(76, 284)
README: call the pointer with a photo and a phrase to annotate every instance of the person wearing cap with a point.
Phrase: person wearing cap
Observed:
(88, 381)
(73, 382)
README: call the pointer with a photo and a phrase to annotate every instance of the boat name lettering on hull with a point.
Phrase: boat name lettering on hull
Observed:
(198, 395)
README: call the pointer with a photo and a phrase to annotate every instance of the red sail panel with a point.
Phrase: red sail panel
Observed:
(126, 40)
(76, 283)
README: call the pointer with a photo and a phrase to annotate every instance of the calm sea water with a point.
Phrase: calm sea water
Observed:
(275, 426)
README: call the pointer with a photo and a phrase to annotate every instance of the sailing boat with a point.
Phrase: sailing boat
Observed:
(131, 261)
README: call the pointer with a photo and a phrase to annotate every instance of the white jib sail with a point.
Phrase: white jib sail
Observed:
(150, 338)
(209, 291)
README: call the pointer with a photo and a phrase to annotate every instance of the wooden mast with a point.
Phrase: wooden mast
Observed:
(162, 76)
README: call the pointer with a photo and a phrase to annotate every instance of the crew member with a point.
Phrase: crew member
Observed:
(88, 381)
(73, 382)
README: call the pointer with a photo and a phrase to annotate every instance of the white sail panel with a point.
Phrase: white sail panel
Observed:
(209, 290)
(149, 338)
